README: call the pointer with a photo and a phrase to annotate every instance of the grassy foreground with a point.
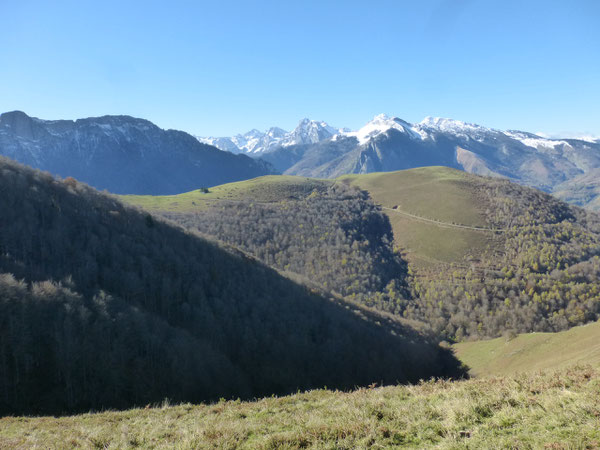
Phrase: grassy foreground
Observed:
(548, 410)
(532, 351)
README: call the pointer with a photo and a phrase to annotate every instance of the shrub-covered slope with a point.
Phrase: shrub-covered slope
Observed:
(102, 305)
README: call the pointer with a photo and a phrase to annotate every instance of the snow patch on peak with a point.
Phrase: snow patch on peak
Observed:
(381, 124)
(457, 128)
(256, 142)
(450, 125)
(534, 141)
(309, 132)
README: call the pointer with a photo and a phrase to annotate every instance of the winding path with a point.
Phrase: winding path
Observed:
(445, 224)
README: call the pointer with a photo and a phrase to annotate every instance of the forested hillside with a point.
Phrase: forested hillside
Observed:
(328, 233)
(484, 256)
(505, 258)
(103, 305)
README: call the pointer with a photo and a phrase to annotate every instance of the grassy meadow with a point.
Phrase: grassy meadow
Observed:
(558, 410)
(437, 193)
(532, 351)
(269, 188)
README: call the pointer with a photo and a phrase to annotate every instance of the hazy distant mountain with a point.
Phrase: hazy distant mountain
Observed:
(122, 154)
(256, 142)
(583, 190)
(389, 143)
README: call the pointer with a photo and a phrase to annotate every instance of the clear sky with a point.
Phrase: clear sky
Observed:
(223, 67)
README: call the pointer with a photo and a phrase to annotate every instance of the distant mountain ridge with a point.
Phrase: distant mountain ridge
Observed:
(122, 154)
(561, 166)
(256, 142)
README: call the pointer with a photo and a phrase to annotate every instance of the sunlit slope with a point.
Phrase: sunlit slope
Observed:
(552, 410)
(435, 212)
(270, 188)
(533, 351)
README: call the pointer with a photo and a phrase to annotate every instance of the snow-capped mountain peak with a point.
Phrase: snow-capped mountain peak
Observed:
(429, 129)
(256, 142)
(254, 133)
(381, 124)
(276, 132)
(450, 125)
(310, 132)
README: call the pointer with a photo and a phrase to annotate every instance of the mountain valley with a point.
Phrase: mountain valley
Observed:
(104, 306)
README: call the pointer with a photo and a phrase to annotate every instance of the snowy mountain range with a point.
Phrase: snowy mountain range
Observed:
(566, 167)
(256, 142)
(129, 155)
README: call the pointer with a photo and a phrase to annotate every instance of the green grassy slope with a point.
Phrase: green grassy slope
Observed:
(555, 410)
(533, 351)
(439, 194)
(435, 192)
(270, 188)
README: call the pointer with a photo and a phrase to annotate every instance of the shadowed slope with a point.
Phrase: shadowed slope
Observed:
(118, 308)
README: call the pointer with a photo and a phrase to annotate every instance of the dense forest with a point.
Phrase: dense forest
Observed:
(334, 236)
(542, 274)
(103, 305)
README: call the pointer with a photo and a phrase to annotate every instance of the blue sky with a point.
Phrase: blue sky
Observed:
(218, 68)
